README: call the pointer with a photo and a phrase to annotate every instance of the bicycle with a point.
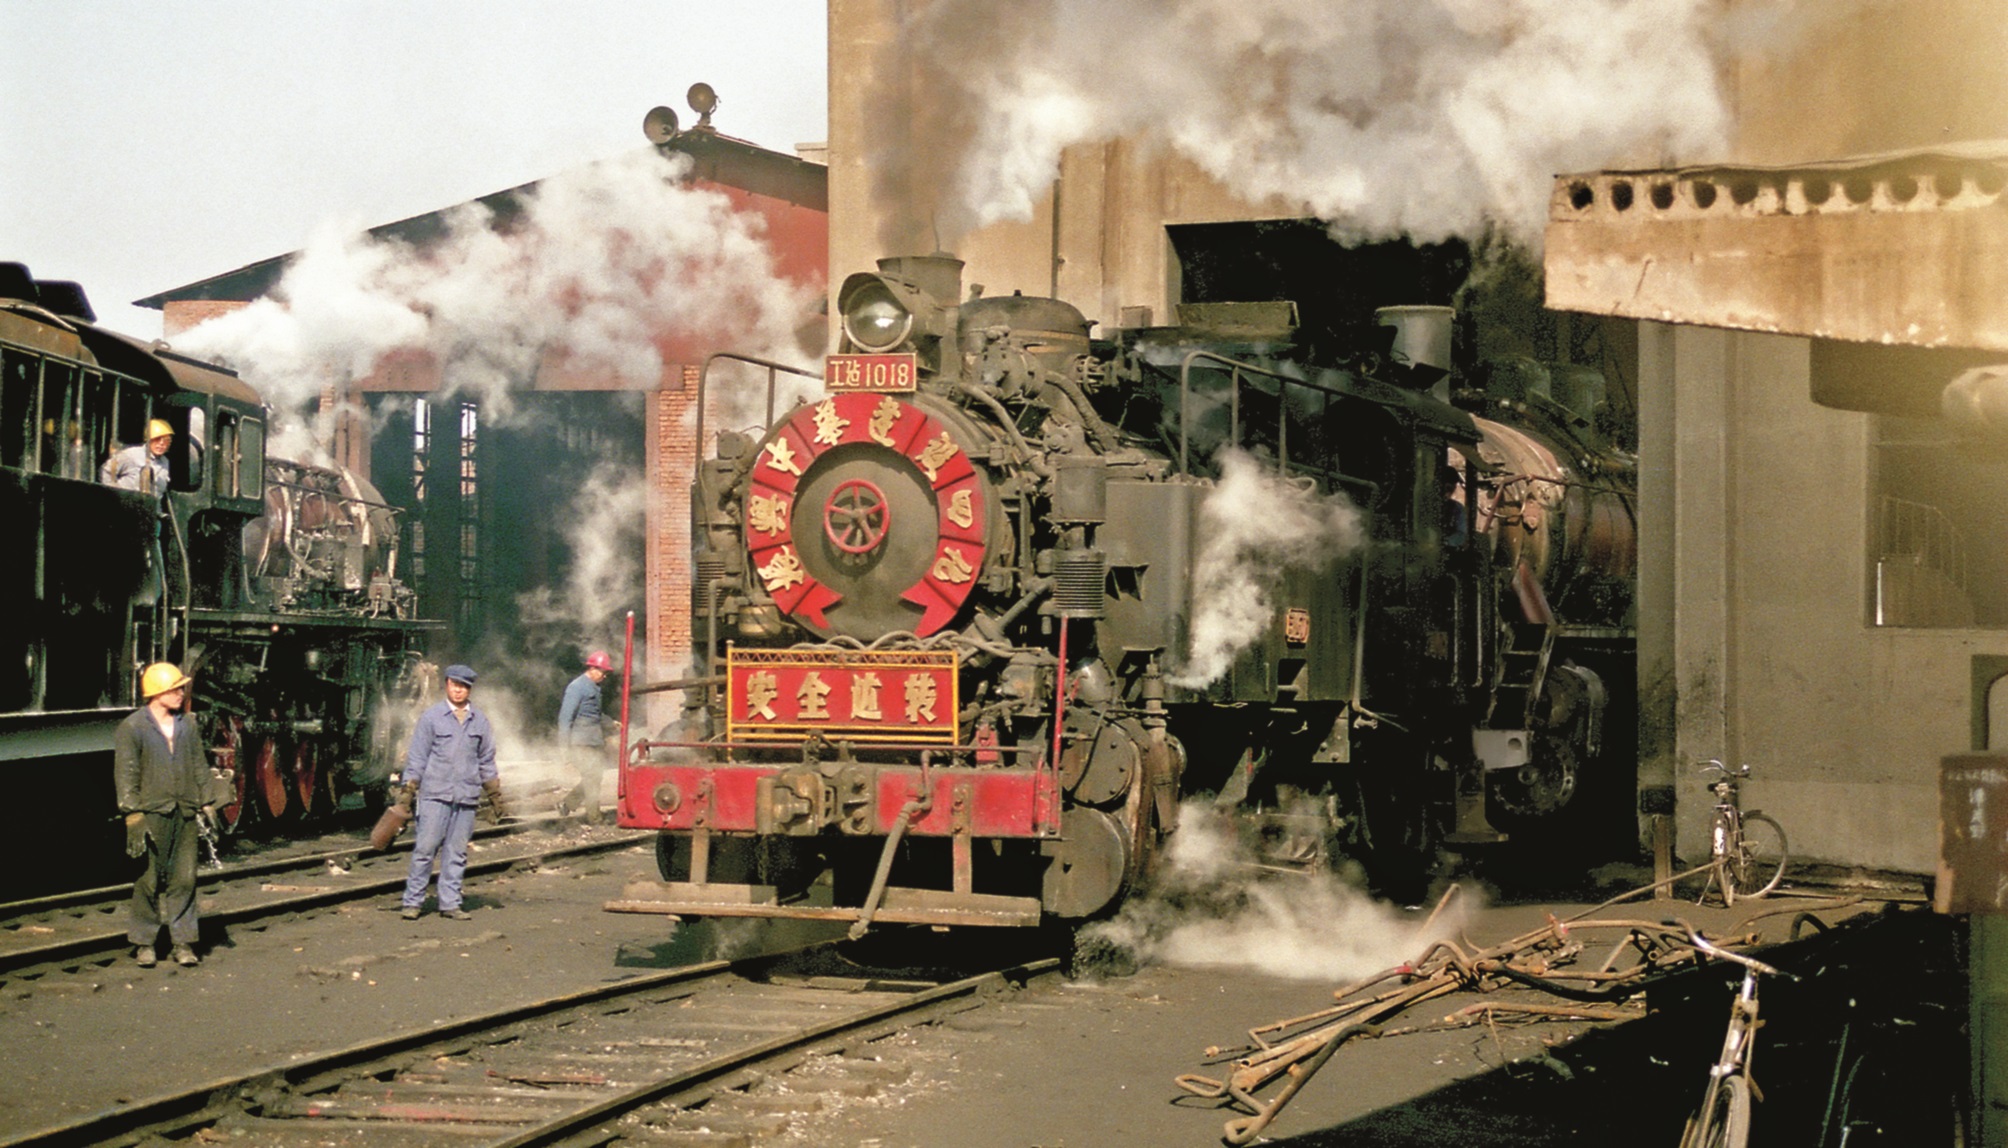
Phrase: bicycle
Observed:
(1723, 1120)
(1747, 853)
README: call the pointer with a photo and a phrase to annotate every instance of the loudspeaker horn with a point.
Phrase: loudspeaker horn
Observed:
(659, 125)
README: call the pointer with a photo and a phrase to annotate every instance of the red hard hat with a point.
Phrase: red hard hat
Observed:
(598, 660)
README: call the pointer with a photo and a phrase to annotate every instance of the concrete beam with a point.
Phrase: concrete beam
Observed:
(1908, 249)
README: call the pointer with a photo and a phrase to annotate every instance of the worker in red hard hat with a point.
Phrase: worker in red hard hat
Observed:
(582, 736)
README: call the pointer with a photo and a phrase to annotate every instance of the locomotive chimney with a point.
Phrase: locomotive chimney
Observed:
(1422, 343)
(939, 274)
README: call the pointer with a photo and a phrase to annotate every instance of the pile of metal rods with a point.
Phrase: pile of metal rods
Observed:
(1546, 959)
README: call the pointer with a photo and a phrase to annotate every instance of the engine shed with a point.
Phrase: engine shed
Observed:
(480, 533)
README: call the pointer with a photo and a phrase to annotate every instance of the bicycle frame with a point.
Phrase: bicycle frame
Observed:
(1730, 858)
(1731, 1070)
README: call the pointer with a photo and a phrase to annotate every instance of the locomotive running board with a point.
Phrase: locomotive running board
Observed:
(900, 907)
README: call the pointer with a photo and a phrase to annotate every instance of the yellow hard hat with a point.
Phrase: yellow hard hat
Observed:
(161, 677)
(156, 428)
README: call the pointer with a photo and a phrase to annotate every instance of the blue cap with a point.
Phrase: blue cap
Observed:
(460, 673)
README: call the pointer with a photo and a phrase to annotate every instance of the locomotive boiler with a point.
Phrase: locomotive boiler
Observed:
(974, 624)
(272, 581)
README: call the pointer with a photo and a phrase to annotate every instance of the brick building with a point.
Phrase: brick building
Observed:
(483, 527)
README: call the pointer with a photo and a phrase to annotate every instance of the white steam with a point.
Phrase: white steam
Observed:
(603, 263)
(1425, 118)
(1257, 526)
(602, 527)
(1212, 907)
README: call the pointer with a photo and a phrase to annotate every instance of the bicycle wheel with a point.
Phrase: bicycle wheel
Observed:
(1759, 864)
(1726, 1122)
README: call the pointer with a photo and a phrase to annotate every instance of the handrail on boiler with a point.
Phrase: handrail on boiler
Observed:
(1234, 405)
(704, 383)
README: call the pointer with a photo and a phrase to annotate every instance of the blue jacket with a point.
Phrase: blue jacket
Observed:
(579, 715)
(449, 759)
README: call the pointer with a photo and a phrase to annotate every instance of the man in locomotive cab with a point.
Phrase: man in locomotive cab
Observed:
(450, 766)
(160, 772)
(141, 467)
(582, 738)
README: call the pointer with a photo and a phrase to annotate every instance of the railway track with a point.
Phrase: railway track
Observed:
(90, 924)
(714, 1053)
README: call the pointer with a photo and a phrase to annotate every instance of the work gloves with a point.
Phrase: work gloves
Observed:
(497, 809)
(135, 834)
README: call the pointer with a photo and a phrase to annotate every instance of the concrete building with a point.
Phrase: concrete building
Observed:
(1823, 595)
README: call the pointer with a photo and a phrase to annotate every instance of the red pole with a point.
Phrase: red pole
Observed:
(627, 682)
(1060, 697)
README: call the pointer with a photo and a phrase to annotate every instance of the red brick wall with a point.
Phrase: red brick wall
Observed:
(179, 315)
(672, 465)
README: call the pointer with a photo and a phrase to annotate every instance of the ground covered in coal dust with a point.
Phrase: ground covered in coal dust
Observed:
(1069, 1061)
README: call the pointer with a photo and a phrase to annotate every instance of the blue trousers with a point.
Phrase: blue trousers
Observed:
(443, 830)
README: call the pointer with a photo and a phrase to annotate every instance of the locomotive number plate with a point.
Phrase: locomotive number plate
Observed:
(902, 696)
(1297, 626)
(890, 373)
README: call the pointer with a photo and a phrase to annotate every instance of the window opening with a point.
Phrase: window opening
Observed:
(421, 448)
(470, 536)
(18, 374)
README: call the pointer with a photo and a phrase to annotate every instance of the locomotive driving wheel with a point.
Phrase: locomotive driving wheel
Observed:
(230, 818)
(268, 781)
(306, 776)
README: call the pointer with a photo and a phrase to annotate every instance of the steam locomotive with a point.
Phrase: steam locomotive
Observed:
(954, 618)
(272, 581)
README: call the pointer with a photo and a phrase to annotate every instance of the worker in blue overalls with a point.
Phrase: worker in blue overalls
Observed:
(450, 765)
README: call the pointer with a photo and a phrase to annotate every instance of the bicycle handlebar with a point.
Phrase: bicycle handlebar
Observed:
(1715, 765)
(1703, 944)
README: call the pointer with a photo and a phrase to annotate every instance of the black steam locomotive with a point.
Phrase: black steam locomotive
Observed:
(272, 581)
(972, 626)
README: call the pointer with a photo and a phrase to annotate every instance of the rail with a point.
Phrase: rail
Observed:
(94, 929)
(715, 1004)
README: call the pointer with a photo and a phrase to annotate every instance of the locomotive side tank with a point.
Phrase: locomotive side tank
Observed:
(973, 624)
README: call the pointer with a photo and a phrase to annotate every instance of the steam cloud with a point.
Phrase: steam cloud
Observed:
(1211, 907)
(1426, 118)
(603, 531)
(603, 261)
(1257, 526)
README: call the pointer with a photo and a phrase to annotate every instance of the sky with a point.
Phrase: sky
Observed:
(147, 144)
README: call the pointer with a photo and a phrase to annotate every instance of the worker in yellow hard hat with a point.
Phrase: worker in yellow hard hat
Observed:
(160, 772)
(142, 467)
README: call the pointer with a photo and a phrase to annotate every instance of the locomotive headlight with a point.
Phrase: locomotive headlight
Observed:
(875, 320)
